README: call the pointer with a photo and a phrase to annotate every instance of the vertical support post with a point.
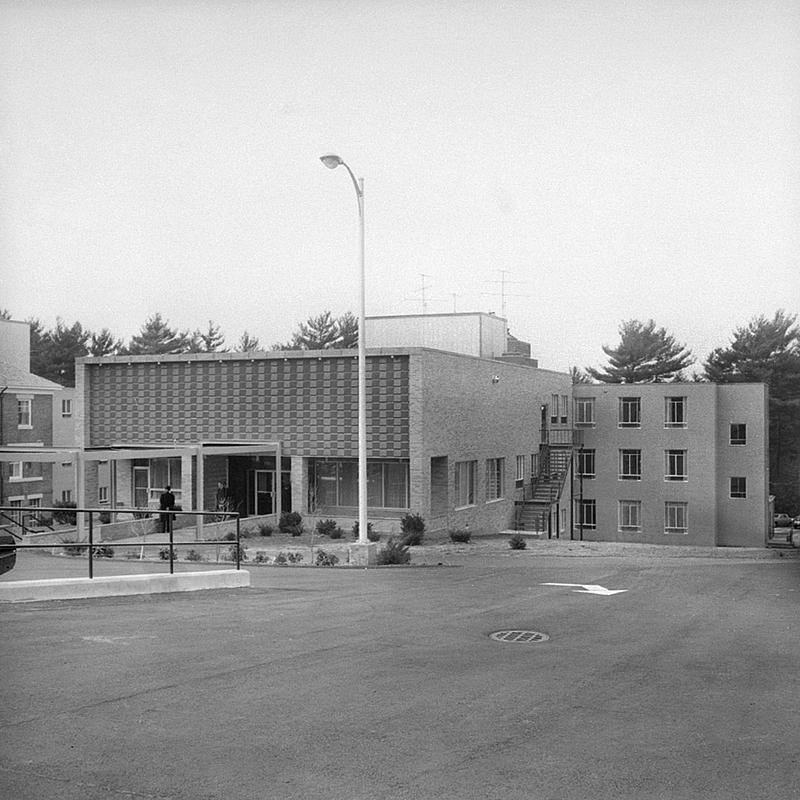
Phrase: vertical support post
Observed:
(171, 559)
(362, 378)
(581, 515)
(238, 551)
(201, 479)
(91, 546)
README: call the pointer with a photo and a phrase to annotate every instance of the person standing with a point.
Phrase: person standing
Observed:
(166, 503)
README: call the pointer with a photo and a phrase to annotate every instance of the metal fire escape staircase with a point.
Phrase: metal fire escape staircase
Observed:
(551, 467)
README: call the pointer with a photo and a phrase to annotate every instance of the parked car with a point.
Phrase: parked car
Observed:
(8, 552)
(783, 521)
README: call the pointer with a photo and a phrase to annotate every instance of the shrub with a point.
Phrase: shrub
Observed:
(229, 537)
(265, 529)
(325, 527)
(64, 517)
(460, 536)
(371, 535)
(103, 551)
(394, 552)
(291, 522)
(242, 552)
(517, 542)
(336, 533)
(72, 547)
(413, 527)
(288, 558)
(193, 555)
(163, 554)
(105, 517)
(324, 559)
(261, 558)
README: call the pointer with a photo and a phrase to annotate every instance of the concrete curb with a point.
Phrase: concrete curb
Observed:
(120, 585)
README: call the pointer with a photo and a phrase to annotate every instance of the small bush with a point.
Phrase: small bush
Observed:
(413, 527)
(288, 558)
(64, 517)
(163, 554)
(325, 527)
(291, 522)
(517, 542)
(193, 555)
(261, 558)
(229, 537)
(265, 529)
(336, 533)
(105, 517)
(370, 534)
(324, 559)
(242, 552)
(103, 551)
(394, 552)
(72, 547)
(460, 537)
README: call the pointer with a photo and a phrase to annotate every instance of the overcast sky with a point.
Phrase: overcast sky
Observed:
(608, 160)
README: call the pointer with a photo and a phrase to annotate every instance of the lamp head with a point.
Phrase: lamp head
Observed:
(331, 161)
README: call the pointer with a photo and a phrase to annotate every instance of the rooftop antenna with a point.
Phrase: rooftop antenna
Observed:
(503, 293)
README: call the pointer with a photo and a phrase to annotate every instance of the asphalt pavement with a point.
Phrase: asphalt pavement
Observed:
(350, 684)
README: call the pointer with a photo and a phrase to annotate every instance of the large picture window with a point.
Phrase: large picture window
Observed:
(336, 484)
(465, 472)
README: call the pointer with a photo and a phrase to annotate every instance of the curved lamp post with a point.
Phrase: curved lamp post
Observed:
(332, 161)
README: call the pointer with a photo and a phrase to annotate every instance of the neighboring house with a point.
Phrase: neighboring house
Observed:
(464, 431)
(26, 425)
(64, 435)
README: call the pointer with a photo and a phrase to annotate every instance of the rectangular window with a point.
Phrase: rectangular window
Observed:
(738, 487)
(584, 411)
(17, 470)
(675, 465)
(102, 494)
(554, 408)
(630, 465)
(66, 496)
(587, 513)
(675, 412)
(630, 412)
(586, 463)
(676, 517)
(335, 483)
(520, 473)
(738, 433)
(564, 409)
(630, 515)
(24, 413)
(66, 408)
(495, 478)
(465, 483)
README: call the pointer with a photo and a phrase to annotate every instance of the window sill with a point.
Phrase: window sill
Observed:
(679, 531)
(31, 479)
(630, 477)
(671, 479)
(495, 500)
(463, 508)
(675, 425)
(738, 444)
(629, 425)
(738, 497)
(25, 427)
(629, 529)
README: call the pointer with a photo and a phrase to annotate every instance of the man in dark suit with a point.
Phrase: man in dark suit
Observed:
(166, 503)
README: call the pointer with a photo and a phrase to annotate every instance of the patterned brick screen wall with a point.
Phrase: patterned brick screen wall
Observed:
(310, 404)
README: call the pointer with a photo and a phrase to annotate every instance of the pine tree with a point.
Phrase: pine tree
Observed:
(63, 345)
(157, 338)
(247, 343)
(211, 341)
(104, 344)
(347, 325)
(645, 354)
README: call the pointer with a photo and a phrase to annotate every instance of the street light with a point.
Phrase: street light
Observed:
(332, 161)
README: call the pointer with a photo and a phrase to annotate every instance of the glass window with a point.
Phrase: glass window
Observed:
(738, 433)
(587, 513)
(66, 408)
(103, 494)
(675, 412)
(24, 413)
(584, 411)
(66, 495)
(675, 465)
(554, 408)
(676, 517)
(465, 472)
(630, 412)
(630, 515)
(494, 478)
(336, 483)
(738, 487)
(564, 409)
(586, 463)
(630, 465)
(17, 470)
(520, 473)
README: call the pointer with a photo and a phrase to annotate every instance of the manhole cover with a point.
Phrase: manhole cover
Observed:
(519, 637)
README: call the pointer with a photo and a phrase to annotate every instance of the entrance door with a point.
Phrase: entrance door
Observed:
(141, 487)
(263, 492)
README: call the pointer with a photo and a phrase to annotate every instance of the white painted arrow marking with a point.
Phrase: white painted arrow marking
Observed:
(589, 588)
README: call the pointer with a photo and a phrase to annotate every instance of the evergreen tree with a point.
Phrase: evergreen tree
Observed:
(768, 351)
(578, 376)
(104, 344)
(348, 330)
(247, 343)
(39, 344)
(63, 345)
(645, 354)
(211, 341)
(157, 338)
(5, 313)
(323, 332)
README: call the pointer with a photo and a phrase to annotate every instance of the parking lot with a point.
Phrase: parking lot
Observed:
(386, 683)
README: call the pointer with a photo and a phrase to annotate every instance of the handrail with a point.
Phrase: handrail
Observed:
(167, 513)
